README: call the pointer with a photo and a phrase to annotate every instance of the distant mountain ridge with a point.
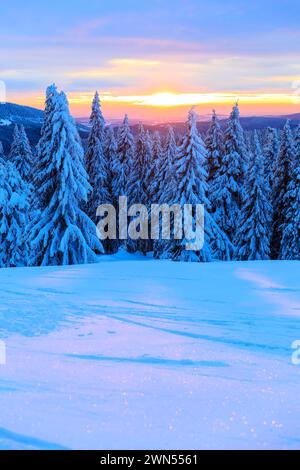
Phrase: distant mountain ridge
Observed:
(31, 118)
(11, 114)
(18, 112)
(248, 123)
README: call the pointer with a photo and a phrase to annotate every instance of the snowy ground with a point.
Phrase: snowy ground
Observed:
(135, 353)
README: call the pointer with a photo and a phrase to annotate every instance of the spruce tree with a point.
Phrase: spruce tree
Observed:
(297, 144)
(154, 168)
(95, 158)
(15, 145)
(14, 208)
(23, 158)
(21, 154)
(139, 182)
(150, 140)
(290, 241)
(167, 184)
(110, 153)
(98, 181)
(121, 166)
(63, 233)
(214, 143)
(226, 192)
(157, 149)
(166, 170)
(140, 169)
(97, 124)
(100, 193)
(96, 163)
(254, 223)
(154, 179)
(270, 152)
(41, 179)
(282, 176)
(191, 188)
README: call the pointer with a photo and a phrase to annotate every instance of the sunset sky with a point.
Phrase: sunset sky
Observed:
(154, 59)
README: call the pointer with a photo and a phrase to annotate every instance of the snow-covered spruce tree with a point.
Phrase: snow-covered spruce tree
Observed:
(191, 188)
(15, 144)
(282, 176)
(297, 143)
(138, 182)
(249, 141)
(167, 181)
(270, 153)
(14, 208)
(98, 181)
(149, 138)
(110, 152)
(100, 193)
(157, 149)
(96, 163)
(226, 192)
(96, 136)
(138, 179)
(290, 241)
(154, 179)
(97, 124)
(254, 223)
(23, 159)
(121, 166)
(41, 179)
(167, 176)
(63, 233)
(214, 146)
(154, 167)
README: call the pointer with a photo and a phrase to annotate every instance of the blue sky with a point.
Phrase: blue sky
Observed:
(129, 49)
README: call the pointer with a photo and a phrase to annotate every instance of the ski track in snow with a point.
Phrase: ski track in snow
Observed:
(135, 353)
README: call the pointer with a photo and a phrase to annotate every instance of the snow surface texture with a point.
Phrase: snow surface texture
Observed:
(135, 353)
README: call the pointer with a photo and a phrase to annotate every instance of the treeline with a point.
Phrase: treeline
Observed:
(248, 183)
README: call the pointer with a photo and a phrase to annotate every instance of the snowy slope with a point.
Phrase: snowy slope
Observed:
(136, 353)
